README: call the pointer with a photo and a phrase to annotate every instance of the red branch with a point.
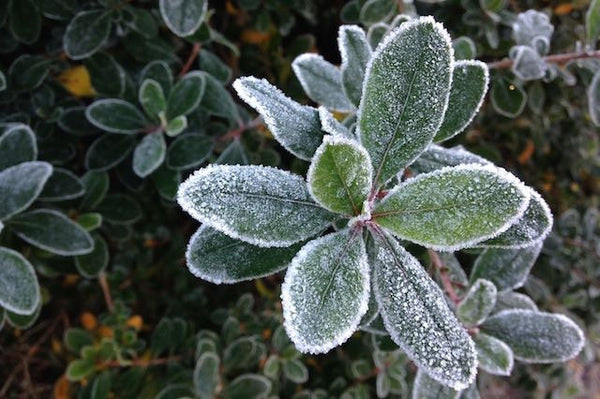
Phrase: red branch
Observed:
(555, 59)
(188, 64)
(446, 282)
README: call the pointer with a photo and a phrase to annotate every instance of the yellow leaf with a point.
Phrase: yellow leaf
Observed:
(76, 80)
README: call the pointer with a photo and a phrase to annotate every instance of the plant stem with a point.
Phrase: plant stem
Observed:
(555, 59)
(446, 282)
(188, 64)
(106, 291)
(237, 132)
(143, 362)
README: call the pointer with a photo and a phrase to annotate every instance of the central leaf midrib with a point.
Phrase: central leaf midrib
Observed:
(343, 182)
(276, 198)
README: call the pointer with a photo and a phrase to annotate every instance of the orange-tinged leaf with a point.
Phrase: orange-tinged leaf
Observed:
(76, 80)
(136, 322)
(527, 152)
(106, 332)
(88, 321)
(563, 9)
(253, 36)
(70, 279)
(62, 388)
(230, 8)
(56, 346)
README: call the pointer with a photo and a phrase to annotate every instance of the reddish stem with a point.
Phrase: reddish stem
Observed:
(555, 59)
(446, 282)
(190, 60)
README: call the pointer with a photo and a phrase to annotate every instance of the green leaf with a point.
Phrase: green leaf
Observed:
(513, 300)
(101, 386)
(532, 228)
(296, 127)
(593, 95)
(248, 386)
(61, 186)
(377, 10)
(326, 291)
(260, 205)
(2, 81)
(479, 302)
(356, 53)
(74, 121)
(322, 82)
(206, 375)
(90, 221)
(217, 258)
(405, 95)
(152, 98)
(76, 339)
(495, 357)
(108, 151)
(52, 231)
(186, 95)
(217, 100)
(295, 371)
(96, 186)
(87, 33)
(331, 125)
(339, 177)
(470, 81)
(189, 151)
(149, 154)
(183, 17)
(376, 33)
(592, 22)
(116, 116)
(455, 207)
(80, 369)
(20, 185)
(437, 157)
(17, 145)
(160, 72)
(176, 126)
(95, 262)
(19, 288)
(28, 72)
(234, 154)
(212, 64)
(508, 99)
(416, 315)
(536, 337)
(464, 48)
(25, 20)
(107, 76)
(22, 322)
(166, 182)
(120, 209)
(426, 387)
(506, 268)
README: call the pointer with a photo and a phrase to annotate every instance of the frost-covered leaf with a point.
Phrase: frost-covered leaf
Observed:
(107, 76)
(90, 265)
(326, 291)
(218, 258)
(90, 221)
(296, 127)
(206, 375)
(25, 20)
(295, 371)
(96, 186)
(417, 316)
(508, 99)
(234, 154)
(536, 337)
(17, 144)
(248, 386)
(212, 64)
(377, 10)
(62, 185)
(189, 151)
(322, 82)
(469, 85)
(464, 48)
(149, 154)
(533, 227)
(528, 64)
(108, 151)
(152, 98)
(506, 268)
(455, 272)
(356, 53)
(19, 288)
(260, 205)
(592, 22)
(28, 72)
(23, 321)
(406, 90)
(20, 185)
(52, 231)
(120, 209)
(376, 33)
(217, 100)
(330, 125)
(167, 182)
(494, 356)
(513, 300)
(183, 17)
(186, 95)
(2, 88)
(455, 207)
(426, 387)
(160, 72)
(87, 33)
(339, 177)
(478, 303)
(116, 116)
(530, 26)
(593, 95)
(437, 157)
(176, 126)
